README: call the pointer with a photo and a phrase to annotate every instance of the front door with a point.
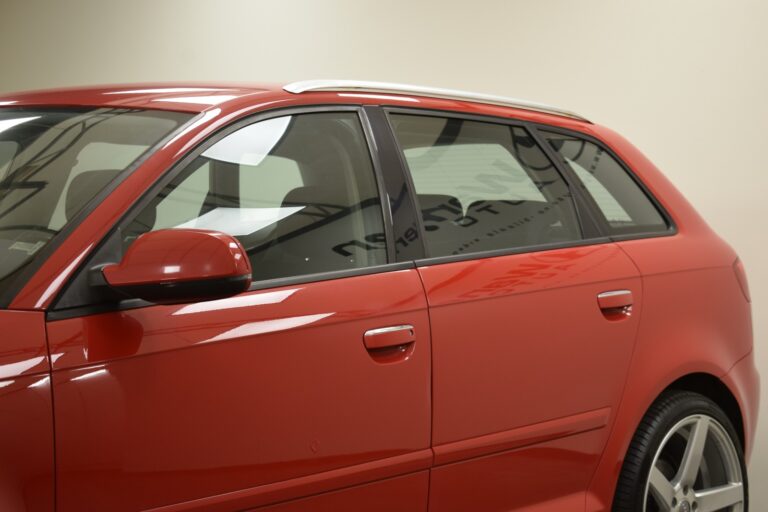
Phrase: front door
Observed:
(314, 384)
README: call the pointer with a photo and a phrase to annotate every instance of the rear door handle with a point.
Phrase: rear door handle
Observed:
(615, 299)
(389, 337)
(616, 304)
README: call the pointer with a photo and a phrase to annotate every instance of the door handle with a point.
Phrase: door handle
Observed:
(616, 304)
(615, 299)
(389, 337)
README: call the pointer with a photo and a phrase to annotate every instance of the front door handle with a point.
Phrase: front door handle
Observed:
(389, 337)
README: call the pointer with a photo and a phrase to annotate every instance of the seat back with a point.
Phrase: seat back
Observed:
(442, 215)
(316, 238)
(492, 224)
(84, 187)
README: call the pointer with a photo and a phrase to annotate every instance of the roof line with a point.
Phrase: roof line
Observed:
(434, 92)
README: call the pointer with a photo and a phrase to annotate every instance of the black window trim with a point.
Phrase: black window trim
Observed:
(395, 180)
(592, 232)
(382, 143)
(586, 205)
(104, 251)
(596, 211)
(397, 170)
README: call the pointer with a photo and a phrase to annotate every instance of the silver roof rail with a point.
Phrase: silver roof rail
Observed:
(418, 90)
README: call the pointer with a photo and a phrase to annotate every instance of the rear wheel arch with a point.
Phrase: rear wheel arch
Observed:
(667, 463)
(715, 389)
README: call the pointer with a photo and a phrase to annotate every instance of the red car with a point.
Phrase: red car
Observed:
(357, 296)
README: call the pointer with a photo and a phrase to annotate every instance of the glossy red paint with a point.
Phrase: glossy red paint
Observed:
(215, 113)
(686, 328)
(26, 428)
(405, 493)
(514, 390)
(179, 255)
(267, 395)
(536, 327)
(518, 483)
(25, 352)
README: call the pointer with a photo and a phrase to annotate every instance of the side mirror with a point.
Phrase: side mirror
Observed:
(172, 266)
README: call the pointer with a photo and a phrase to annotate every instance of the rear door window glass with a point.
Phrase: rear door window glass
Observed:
(483, 186)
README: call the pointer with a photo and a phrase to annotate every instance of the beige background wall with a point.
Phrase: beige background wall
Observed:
(685, 80)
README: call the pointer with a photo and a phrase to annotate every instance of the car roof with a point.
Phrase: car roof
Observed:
(196, 97)
(185, 97)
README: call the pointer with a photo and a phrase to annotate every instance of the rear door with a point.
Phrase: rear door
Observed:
(312, 386)
(533, 317)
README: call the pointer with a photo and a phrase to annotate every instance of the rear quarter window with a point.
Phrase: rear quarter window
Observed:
(624, 205)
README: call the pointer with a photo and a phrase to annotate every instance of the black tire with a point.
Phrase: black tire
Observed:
(669, 409)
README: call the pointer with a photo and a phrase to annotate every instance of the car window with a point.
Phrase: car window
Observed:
(299, 192)
(8, 150)
(626, 208)
(54, 161)
(483, 186)
(99, 157)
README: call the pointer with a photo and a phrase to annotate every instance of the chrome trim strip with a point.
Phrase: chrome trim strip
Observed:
(418, 90)
(613, 293)
(384, 330)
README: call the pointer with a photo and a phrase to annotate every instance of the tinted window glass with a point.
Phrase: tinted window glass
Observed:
(8, 150)
(299, 192)
(94, 157)
(53, 161)
(483, 186)
(623, 203)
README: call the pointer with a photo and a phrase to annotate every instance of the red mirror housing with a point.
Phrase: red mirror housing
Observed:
(181, 265)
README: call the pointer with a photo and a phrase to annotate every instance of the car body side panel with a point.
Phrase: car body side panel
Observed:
(524, 358)
(513, 480)
(241, 402)
(406, 493)
(686, 329)
(744, 381)
(23, 351)
(695, 320)
(26, 415)
(514, 336)
(26, 453)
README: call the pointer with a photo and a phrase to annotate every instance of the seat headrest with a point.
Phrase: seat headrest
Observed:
(440, 207)
(506, 205)
(447, 206)
(507, 211)
(308, 195)
(438, 200)
(84, 187)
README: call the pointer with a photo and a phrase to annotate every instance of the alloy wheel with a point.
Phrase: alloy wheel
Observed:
(695, 469)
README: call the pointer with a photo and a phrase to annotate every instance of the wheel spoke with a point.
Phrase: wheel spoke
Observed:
(661, 488)
(718, 498)
(694, 451)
